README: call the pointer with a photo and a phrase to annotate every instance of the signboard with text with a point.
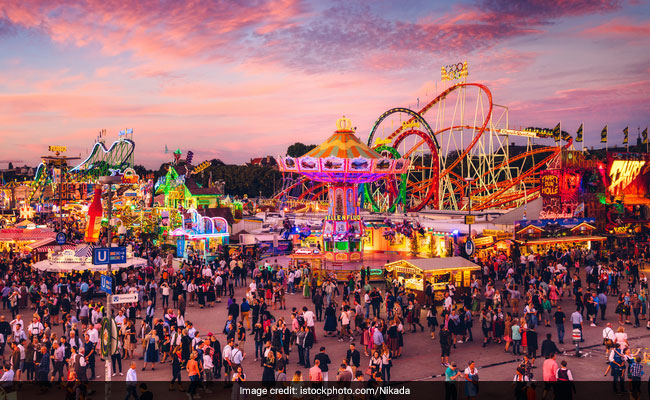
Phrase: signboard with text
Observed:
(105, 256)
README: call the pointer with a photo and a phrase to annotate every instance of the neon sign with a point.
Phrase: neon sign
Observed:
(57, 149)
(550, 184)
(454, 71)
(622, 173)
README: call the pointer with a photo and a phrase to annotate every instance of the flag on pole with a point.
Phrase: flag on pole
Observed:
(565, 136)
(644, 135)
(556, 132)
(603, 135)
(626, 135)
(579, 133)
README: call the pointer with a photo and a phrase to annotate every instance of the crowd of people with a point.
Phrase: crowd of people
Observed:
(53, 332)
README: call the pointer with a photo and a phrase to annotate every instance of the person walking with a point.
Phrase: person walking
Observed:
(549, 373)
(559, 317)
(451, 376)
(131, 383)
(324, 362)
(516, 337)
(194, 374)
(564, 388)
(445, 345)
(635, 373)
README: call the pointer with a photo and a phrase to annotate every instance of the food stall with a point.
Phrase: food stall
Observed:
(311, 258)
(413, 274)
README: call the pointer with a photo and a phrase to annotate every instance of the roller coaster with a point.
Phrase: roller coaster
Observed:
(459, 149)
(101, 161)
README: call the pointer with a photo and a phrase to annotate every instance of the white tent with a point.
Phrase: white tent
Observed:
(65, 267)
(531, 211)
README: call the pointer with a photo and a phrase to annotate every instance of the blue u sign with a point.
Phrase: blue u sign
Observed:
(104, 255)
(100, 256)
(107, 284)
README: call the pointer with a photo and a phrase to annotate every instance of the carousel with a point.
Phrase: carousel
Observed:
(343, 162)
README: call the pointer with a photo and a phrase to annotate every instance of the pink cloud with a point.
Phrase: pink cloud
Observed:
(620, 28)
(151, 29)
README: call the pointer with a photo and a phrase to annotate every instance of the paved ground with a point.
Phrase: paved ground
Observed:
(420, 357)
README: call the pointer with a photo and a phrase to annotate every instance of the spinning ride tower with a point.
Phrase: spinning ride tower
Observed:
(343, 162)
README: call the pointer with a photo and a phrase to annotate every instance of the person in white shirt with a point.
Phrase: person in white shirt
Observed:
(226, 354)
(93, 335)
(309, 317)
(290, 279)
(609, 339)
(191, 290)
(620, 338)
(447, 304)
(120, 318)
(208, 366)
(7, 379)
(16, 321)
(35, 329)
(131, 382)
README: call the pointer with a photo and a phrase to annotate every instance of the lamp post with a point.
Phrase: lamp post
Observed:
(110, 181)
(469, 207)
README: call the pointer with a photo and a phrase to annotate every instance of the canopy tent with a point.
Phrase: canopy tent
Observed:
(65, 267)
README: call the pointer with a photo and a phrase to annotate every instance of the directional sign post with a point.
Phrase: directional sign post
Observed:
(105, 255)
(60, 238)
(124, 298)
(107, 284)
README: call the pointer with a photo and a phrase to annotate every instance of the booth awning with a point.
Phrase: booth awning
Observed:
(438, 264)
(49, 266)
(44, 245)
(563, 239)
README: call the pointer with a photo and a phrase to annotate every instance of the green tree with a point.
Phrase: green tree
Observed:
(299, 149)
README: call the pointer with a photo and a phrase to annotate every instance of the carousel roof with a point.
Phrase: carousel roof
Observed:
(343, 159)
(343, 144)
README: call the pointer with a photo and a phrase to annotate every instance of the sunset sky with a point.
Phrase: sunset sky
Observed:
(241, 79)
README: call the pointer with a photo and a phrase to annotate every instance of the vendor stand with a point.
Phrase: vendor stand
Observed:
(311, 258)
(200, 235)
(440, 272)
(537, 236)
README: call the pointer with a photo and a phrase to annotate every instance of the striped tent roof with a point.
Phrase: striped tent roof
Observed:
(85, 251)
(343, 144)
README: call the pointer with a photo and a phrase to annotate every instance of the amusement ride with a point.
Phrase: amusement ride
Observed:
(461, 133)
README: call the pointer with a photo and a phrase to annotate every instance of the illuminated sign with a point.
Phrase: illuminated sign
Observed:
(484, 241)
(469, 219)
(344, 217)
(202, 166)
(57, 149)
(381, 142)
(550, 184)
(412, 124)
(454, 71)
(622, 173)
(622, 229)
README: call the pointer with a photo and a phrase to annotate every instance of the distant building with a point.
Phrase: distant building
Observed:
(268, 161)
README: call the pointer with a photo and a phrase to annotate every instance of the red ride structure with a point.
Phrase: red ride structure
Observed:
(459, 138)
